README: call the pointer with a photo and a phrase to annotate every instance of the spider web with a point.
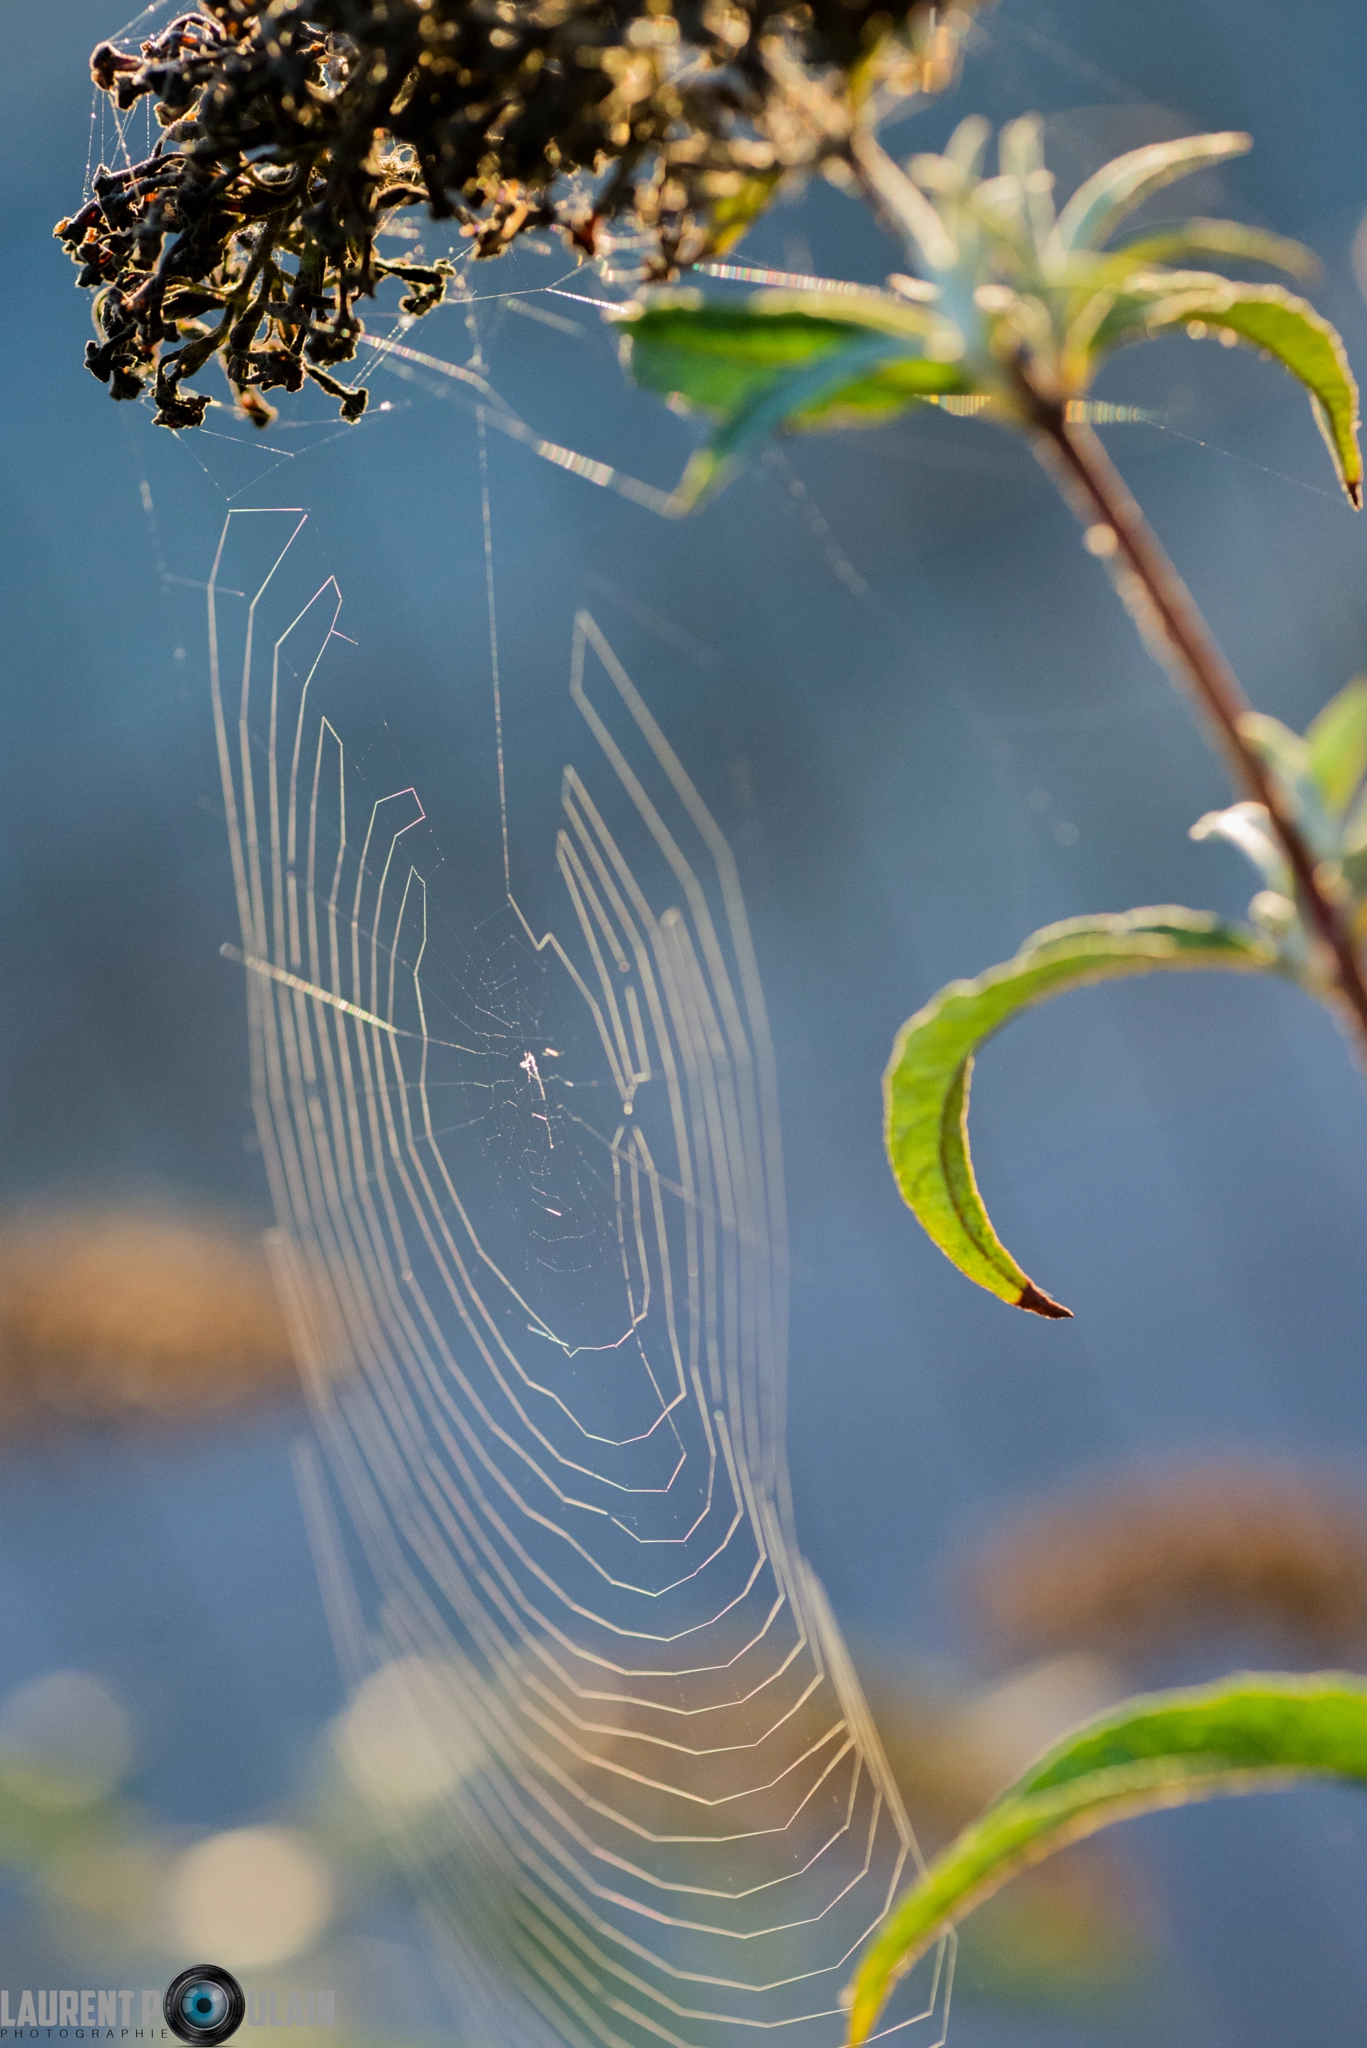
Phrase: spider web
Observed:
(528, 1179)
(528, 1184)
(531, 1239)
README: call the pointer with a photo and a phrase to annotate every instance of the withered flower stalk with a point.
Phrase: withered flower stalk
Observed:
(294, 131)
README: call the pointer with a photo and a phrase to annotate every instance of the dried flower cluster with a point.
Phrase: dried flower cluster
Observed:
(294, 130)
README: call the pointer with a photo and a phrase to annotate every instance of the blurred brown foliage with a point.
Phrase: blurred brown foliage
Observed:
(109, 1314)
(1136, 1564)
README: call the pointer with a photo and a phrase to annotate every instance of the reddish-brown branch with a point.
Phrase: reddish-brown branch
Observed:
(1173, 625)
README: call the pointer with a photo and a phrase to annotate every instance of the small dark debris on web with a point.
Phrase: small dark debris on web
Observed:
(294, 131)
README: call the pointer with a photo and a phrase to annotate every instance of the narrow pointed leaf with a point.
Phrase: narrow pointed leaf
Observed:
(929, 239)
(1097, 208)
(1337, 740)
(926, 1085)
(1310, 348)
(1257, 1732)
(1267, 317)
(1222, 238)
(1287, 755)
(1283, 750)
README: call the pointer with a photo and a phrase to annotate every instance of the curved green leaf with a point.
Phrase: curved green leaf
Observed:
(1221, 238)
(787, 361)
(1267, 317)
(925, 1088)
(1255, 1733)
(1097, 208)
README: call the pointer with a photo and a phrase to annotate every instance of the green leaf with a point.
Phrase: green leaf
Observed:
(1310, 348)
(1222, 238)
(786, 362)
(1284, 751)
(926, 1086)
(1267, 317)
(1337, 740)
(717, 355)
(1097, 208)
(1257, 1732)
(859, 386)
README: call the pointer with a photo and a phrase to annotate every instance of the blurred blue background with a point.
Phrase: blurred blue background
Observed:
(918, 712)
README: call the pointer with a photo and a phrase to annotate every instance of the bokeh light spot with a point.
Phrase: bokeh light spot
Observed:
(405, 1738)
(64, 1740)
(253, 1895)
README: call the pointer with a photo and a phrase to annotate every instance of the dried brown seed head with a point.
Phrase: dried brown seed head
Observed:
(295, 129)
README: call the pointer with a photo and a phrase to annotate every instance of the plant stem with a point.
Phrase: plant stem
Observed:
(1160, 603)
(1172, 625)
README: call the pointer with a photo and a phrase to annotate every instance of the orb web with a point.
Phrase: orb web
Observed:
(531, 1238)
